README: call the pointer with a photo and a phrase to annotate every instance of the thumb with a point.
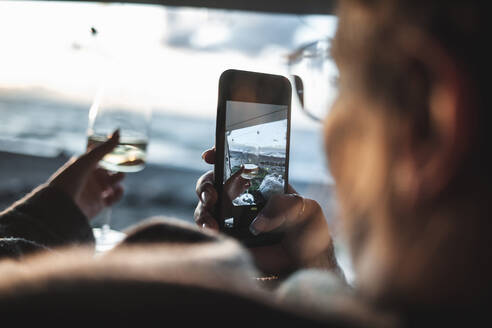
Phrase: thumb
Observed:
(282, 210)
(70, 177)
(209, 156)
(237, 174)
(94, 155)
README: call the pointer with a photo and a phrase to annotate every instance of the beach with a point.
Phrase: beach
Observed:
(158, 190)
(39, 134)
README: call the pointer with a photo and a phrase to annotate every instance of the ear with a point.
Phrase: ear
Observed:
(428, 164)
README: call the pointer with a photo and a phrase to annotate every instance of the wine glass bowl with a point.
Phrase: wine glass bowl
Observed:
(250, 171)
(107, 115)
(127, 157)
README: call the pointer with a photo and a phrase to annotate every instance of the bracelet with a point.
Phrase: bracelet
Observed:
(269, 282)
(267, 278)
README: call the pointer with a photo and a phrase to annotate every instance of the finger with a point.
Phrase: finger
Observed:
(290, 189)
(209, 156)
(102, 178)
(106, 179)
(208, 222)
(234, 177)
(237, 174)
(236, 184)
(204, 219)
(115, 178)
(246, 183)
(114, 196)
(280, 211)
(209, 198)
(62, 169)
(204, 182)
(94, 155)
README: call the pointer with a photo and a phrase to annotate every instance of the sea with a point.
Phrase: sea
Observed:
(47, 127)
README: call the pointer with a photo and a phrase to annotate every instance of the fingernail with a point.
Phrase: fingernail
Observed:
(257, 226)
(204, 154)
(203, 197)
(116, 133)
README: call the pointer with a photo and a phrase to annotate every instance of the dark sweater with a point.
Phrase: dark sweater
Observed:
(44, 219)
(157, 276)
(164, 273)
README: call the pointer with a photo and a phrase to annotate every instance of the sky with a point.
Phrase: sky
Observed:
(268, 137)
(167, 58)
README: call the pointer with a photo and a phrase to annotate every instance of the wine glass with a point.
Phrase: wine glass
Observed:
(118, 108)
(251, 170)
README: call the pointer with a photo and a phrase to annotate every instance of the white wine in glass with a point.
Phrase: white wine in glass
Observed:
(128, 156)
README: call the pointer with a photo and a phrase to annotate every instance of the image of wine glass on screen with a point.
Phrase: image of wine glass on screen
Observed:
(111, 111)
(256, 142)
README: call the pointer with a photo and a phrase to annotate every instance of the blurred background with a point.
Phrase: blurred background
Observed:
(55, 55)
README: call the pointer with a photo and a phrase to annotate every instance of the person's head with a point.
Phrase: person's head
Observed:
(407, 145)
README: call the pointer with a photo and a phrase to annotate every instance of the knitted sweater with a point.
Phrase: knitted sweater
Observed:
(44, 219)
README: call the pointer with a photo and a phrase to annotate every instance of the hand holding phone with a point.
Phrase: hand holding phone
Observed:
(252, 149)
(306, 239)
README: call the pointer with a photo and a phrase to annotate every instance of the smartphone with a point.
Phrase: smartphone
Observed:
(252, 150)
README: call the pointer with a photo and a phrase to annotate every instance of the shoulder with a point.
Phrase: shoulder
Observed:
(312, 286)
(17, 247)
(325, 295)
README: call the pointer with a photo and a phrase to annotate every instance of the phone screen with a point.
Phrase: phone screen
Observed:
(256, 140)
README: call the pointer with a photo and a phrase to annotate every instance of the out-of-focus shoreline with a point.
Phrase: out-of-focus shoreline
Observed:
(158, 190)
(155, 191)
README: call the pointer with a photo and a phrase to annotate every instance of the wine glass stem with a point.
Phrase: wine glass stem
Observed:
(107, 223)
(107, 220)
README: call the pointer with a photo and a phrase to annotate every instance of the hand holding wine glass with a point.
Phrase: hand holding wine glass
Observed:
(110, 112)
(90, 187)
